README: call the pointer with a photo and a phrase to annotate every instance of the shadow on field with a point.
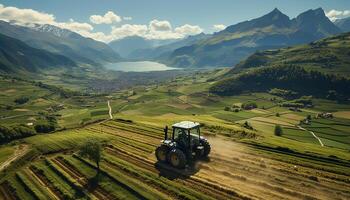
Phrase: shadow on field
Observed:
(93, 182)
(169, 172)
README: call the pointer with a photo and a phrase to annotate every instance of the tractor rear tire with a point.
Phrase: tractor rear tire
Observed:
(207, 148)
(177, 158)
(161, 153)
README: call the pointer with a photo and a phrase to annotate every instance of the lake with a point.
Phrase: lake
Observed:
(139, 66)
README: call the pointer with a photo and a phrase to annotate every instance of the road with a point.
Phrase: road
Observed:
(110, 110)
(20, 151)
(313, 134)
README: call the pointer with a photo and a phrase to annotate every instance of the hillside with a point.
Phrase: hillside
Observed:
(328, 55)
(161, 52)
(16, 56)
(288, 77)
(128, 45)
(319, 68)
(61, 41)
(273, 30)
(281, 165)
(343, 24)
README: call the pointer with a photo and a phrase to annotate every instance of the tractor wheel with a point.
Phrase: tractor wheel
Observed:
(161, 153)
(177, 158)
(207, 148)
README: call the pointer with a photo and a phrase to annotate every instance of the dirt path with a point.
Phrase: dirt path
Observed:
(109, 110)
(20, 151)
(313, 134)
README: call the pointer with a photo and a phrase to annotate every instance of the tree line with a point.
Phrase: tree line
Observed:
(289, 77)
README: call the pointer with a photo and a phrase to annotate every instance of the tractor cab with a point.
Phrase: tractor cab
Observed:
(185, 145)
(186, 133)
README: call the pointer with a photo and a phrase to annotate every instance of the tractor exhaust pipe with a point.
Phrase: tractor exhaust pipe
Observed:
(166, 133)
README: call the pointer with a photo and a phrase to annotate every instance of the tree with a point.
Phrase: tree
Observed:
(44, 128)
(92, 150)
(309, 117)
(278, 130)
(21, 100)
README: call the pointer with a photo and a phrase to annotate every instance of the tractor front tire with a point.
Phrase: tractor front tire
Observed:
(207, 148)
(161, 153)
(177, 158)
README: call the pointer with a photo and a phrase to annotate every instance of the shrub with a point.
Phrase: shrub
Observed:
(277, 114)
(308, 117)
(249, 105)
(278, 130)
(288, 94)
(21, 100)
(8, 134)
(247, 125)
(44, 128)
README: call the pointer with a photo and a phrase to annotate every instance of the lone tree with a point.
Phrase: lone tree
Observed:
(92, 151)
(278, 130)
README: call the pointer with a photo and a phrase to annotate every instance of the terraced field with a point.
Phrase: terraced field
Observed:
(129, 171)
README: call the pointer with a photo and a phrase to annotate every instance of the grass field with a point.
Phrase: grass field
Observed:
(244, 164)
(129, 169)
(5, 153)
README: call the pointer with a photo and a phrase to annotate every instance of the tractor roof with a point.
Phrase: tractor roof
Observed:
(186, 125)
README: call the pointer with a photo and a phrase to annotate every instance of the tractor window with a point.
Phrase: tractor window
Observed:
(195, 131)
(180, 133)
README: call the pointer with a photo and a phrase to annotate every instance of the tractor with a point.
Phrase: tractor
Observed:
(184, 146)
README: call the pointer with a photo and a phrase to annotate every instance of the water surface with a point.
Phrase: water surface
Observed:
(138, 66)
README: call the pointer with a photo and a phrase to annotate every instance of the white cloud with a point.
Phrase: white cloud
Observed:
(188, 30)
(219, 27)
(337, 14)
(127, 18)
(128, 30)
(109, 18)
(24, 16)
(156, 25)
(156, 29)
(75, 26)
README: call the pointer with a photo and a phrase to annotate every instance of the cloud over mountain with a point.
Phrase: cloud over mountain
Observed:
(156, 29)
(337, 14)
(219, 27)
(109, 18)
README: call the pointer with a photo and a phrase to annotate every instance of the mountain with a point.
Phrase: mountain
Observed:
(127, 45)
(164, 50)
(61, 41)
(273, 30)
(318, 69)
(17, 57)
(330, 55)
(343, 24)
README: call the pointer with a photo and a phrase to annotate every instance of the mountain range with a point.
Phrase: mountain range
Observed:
(61, 41)
(273, 30)
(343, 24)
(160, 52)
(320, 68)
(128, 45)
(224, 48)
(18, 57)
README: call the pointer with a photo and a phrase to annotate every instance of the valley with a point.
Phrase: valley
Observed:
(255, 109)
(292, 166)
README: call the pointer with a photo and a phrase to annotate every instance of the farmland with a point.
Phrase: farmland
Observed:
(245, 162)
(130, 171)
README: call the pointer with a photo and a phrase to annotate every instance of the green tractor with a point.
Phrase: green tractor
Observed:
(184, 146)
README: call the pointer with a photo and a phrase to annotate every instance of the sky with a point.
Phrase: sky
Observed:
(107, 20)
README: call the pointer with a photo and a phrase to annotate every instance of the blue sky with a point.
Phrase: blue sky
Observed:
(197, 13)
